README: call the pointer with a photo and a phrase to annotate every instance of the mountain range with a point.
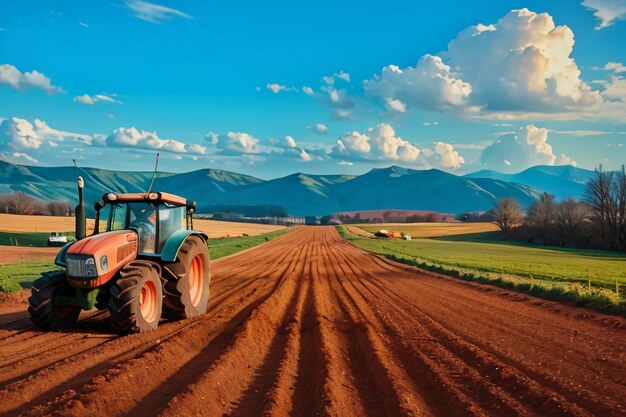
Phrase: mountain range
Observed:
(303, 194)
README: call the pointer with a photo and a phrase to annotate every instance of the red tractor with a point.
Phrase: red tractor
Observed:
(143, 261)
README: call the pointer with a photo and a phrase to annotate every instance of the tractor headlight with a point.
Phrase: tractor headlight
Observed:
(104, 263)
(81, 266)
(111, 197)
(153, 196)
(90, 267)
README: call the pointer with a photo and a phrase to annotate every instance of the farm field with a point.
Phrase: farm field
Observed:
(485, 252)
(47, 224)
(418, 230)
(290, 324)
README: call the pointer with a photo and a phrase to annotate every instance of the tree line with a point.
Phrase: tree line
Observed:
(598, 221)
(22, 203)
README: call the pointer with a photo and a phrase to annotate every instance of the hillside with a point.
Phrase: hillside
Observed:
(303, 194)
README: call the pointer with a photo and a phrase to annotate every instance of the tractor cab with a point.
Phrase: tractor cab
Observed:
(154, 217)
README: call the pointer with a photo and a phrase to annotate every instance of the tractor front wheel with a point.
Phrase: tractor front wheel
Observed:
(136, 299)
(187, 287)
(44, 311)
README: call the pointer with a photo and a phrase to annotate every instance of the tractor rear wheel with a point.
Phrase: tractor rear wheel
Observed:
(136, 299)
(187, 287)
(41, 304)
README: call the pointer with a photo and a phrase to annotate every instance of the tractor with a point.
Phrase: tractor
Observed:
(143, 261)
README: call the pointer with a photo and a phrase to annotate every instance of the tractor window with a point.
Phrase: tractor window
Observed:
(143, 218)
(117, 220)
(171, 219)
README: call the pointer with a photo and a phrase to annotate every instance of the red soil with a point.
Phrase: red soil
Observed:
(309, 325)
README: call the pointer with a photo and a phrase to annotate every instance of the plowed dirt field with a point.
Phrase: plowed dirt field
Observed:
(309, 325)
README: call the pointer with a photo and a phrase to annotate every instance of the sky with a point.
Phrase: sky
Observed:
(276, 87)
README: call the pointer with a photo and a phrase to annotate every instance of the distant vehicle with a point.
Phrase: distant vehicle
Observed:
(405, 236)
(387, 233)
(57, 239)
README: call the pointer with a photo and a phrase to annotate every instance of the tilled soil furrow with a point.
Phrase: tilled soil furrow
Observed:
(384, 386)
(217, 389)
(495, 402)
(482, 367)
(506, 372)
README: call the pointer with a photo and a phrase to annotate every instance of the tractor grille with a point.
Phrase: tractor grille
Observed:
(81, 267)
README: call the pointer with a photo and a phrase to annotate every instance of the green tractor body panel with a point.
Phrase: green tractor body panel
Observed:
(175, 241)
(59, 260)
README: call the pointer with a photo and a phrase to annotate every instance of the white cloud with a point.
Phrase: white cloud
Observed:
(90, 100)
(153, 13)
(395, 105)
(431, 84)
(236, 143)
(319, 128)
(343, 75)
(566, 160)
(276, 88)
(304, 155)
(356, 142)
(24, 156)
(307, 90)
(616, 67)
(291, 143)
(606, 11)
(446, 156)
(515, 152)
(133, 138)
(19, 81)
(20, 134)
(518, 67)
(345, 163)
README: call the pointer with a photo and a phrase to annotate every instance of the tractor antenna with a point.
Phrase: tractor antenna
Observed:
(156, 165)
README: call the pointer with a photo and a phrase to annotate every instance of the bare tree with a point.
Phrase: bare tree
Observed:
(58, 208)
(573, 219)
(542, 216)
(508, 215)
(606, 195)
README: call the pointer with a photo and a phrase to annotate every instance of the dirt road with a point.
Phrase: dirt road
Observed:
(308, 325)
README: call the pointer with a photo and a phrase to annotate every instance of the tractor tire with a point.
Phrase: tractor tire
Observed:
(41, 306)
(187, 287)
(136, 299)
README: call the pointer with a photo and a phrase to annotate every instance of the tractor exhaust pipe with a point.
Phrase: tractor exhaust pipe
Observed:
(81, 217)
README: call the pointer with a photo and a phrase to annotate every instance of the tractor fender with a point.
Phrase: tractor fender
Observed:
(175, 241)
(59, 260)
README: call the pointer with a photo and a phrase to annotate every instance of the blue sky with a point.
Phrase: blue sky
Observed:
(275, 87)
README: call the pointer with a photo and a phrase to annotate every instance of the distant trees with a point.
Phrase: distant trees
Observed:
(599, 221)
(606, 195)
(22, 203)
(508, 215)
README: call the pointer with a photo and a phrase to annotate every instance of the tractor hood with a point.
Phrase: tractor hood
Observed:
(92, 261)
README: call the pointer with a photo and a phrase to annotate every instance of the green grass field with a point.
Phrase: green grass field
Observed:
(15, 276)
(37, 240)
(487, 256)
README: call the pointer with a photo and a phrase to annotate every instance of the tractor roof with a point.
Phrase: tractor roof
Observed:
(153, 197)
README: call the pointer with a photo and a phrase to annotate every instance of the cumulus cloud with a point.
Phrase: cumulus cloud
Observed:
(517, 67)
(616, 67)
(25, 157)
(307, 90)
(515, 152)
(20, 134)
(381, 143)
(133, 138)
(153, 13)
(19, 81)
(304, 155)
(90, 100)
(236, 143)
(431, 85)
(334, 93)
(395, 105)
(606, 11)
(566, 160)
(277, 88)
(319, 128)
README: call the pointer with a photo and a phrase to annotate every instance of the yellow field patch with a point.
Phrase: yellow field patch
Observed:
(47, 224)
(417, 230)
